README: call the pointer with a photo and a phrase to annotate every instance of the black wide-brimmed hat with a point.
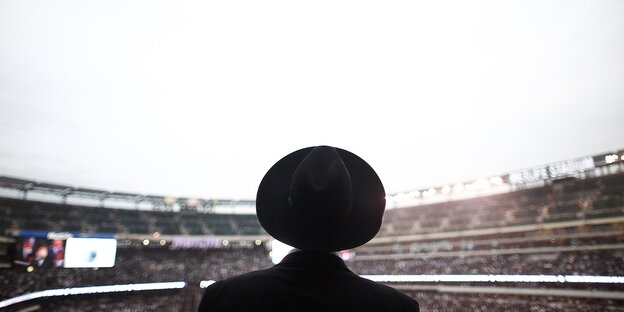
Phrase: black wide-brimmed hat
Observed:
(321, 198)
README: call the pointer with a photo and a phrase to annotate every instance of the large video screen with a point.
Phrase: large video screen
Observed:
(90, 252)
(40, 252)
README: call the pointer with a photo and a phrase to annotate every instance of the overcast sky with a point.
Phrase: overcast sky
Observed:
(200, 98)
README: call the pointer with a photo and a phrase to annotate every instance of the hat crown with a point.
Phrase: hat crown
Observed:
(321, 186)
(321, 198)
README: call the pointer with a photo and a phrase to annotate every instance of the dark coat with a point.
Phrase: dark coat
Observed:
(304, 281)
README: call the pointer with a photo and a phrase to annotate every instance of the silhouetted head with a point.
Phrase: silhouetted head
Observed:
(321, 198)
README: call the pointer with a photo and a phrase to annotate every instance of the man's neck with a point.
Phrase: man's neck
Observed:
(335, 253)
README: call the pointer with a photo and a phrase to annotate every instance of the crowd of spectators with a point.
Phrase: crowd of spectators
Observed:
(430, 301)
(454, 302)
(564, 238)
(595, 262)
(170, 301)
(143, 265)
(562, 201)
(140, 265)
(167, 301)
(538, 251)
(31, 215)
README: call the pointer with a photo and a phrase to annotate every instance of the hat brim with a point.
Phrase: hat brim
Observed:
(286, 225)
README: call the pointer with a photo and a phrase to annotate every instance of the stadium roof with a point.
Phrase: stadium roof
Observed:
(582, 167)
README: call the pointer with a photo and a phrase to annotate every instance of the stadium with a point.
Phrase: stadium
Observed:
(546, 238)
(135, 135)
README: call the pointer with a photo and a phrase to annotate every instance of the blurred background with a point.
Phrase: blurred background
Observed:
(134, 134)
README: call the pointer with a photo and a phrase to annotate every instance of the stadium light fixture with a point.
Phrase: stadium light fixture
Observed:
(609, 159)
(496, 180)
(478, 185)
(415, 194)
(446, 189)
(458, 188)
(146, 242)
(430, 192)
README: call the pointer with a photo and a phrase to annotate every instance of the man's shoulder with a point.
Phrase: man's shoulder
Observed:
(235, 293)
(239, 283)
(343, 289)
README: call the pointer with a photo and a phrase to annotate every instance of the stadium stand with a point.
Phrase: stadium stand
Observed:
(570, 226)
(32, 215)
(562, 201)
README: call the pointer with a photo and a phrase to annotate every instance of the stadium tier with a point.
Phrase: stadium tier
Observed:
(556, 245)
(561, 201)
(566, 200)
(30, 215)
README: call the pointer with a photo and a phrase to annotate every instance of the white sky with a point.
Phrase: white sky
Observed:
(200, 98)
